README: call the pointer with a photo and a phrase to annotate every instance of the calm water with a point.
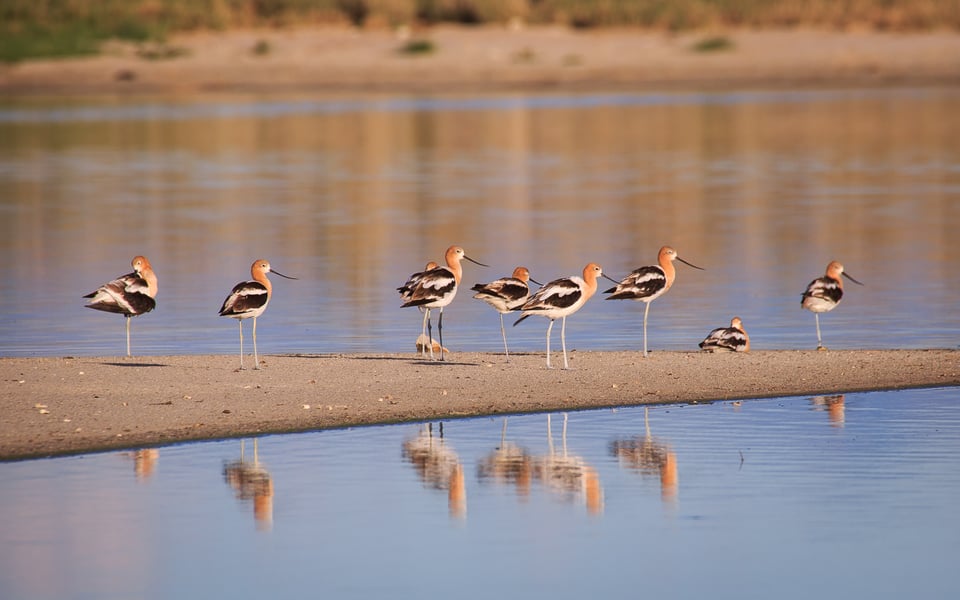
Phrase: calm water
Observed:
(791, 498)
(761, 189)
(832, 497)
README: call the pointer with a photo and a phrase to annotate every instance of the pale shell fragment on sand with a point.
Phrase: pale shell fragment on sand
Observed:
(422, 345)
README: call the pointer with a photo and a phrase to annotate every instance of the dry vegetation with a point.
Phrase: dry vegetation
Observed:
(46, 28)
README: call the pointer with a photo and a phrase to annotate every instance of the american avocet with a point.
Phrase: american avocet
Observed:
(505, 295)
(646, 284)
(406, 290)
(560, 298)
(129, 295)
(249, 299)
(823, 294)
(732, 338)
(436, 288)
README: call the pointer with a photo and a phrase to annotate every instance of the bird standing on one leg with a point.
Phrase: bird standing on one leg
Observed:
(506, 295)
(437, 288)
(130, 295)
(824, 293)
(249, 299)
(646, 284)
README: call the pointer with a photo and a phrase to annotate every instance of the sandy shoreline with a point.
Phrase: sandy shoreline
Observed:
(53, 406)
(344, 60)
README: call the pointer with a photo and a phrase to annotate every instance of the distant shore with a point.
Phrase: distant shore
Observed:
(474, 59)
(55, 406)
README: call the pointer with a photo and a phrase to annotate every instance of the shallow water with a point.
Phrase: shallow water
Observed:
(844, 496)
(352, 195)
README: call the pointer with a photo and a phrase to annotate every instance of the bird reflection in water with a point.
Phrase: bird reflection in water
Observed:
(834, 405)
(144, 462)
(439, 467)
(650, 457)
(252, 481)
(509, 464)
(568, 474)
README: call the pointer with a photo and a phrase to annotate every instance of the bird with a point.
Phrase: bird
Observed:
(646, 284)
(505, 295)
(436, 288)
(407, 288)
(733, 338)
(249, 299)
(824, 293)
(130, 295)
(561, 298)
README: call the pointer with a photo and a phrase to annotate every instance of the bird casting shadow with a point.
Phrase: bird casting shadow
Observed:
(132, 364)
(439, 363)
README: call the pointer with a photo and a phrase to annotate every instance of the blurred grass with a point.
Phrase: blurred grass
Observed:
(715, 43)
(54, 28)
(418, 47)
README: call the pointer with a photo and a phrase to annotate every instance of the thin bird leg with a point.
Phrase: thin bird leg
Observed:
(423, 331)
(563, 342)
(504, 334)
(549, 329)
(240, 323)
(440, 333)
(256, 359)
(128, 334)
(429, 334)
(646, 311)
(819, 341)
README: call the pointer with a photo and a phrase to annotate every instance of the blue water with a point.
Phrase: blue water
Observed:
(762, 189)
(849, 496)
(846, 496)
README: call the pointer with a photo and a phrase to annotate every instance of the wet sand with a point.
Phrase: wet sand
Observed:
(471, 59)
(53, 406)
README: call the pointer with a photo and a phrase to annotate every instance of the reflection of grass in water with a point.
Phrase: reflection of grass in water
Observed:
(713, 44)
(418, 47)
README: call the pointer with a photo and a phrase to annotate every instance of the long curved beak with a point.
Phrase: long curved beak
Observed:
(851, 278)
(535, 281)
(275, 272)
(690, 264)
(475, 262)
(608, 278)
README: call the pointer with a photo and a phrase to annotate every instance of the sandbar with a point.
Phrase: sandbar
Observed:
(57, 406)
